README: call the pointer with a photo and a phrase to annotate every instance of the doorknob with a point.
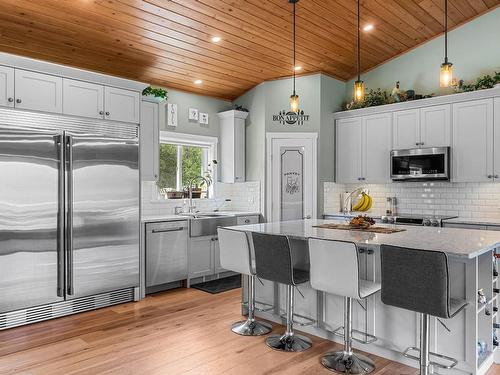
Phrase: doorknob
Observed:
(308, 217)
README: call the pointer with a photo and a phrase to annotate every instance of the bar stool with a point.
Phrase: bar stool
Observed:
(335, 270)
(236, 255)
(273, 262)
(419, 280)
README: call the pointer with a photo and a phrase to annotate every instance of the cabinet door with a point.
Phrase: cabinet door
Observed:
(406, 129)
(149, 140)
(496, 134)
(435, 126)
(216, 251)
(38, 92)
(472, 150)
(83, 99)
(348, 133)
(201, 257)
(376, 148)
(6, 86)
(121, 105)
(243, 220)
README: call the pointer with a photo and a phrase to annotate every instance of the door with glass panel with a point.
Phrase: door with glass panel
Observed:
(292, 177)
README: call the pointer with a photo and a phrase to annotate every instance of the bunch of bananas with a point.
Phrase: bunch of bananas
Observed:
(364, 204)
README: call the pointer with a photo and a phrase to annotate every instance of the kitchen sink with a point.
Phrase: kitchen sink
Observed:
(206, 224)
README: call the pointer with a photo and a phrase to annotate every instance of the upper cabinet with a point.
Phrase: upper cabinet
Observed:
(150, 140)
(496, 139)
(121, 105)
(6, 86)
(348, 140)
(38, 92)
(232, 146)
(472, 150)
(422, 127)
(83, 99)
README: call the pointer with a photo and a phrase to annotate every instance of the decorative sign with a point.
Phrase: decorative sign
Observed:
(193, 114)
(204, 118)
(291, 118)
(171, 114)
(292, 183)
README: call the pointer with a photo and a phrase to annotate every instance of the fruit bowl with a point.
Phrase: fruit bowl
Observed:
(361, 222)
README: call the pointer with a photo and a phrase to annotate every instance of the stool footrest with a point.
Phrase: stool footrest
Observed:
(368, 339)
(302, 320)
(453, 361)
(260, 306)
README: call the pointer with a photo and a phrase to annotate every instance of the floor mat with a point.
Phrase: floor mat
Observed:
(220, 285)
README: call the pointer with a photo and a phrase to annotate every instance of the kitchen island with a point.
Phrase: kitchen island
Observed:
(470, 255)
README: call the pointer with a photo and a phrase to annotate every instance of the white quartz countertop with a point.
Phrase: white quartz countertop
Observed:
(171, 217)
(468, 243)
(474, 221)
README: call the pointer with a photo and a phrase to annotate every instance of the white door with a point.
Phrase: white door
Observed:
(472, 150)
(150, 141)
(6, 86)
(121, 105)
(83, 99)
(38, 92)
(435, 126)
(406, 129)
(376, 148)
(292, 176)
(496, 132)
(348, 154)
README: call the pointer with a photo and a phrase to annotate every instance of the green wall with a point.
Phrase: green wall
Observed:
(473, 48)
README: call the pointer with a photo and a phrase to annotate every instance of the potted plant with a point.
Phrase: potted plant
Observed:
(156, 93)
(496, 77)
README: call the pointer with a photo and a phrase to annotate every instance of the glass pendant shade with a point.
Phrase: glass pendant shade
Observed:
(294, 103)
(359, 91)
(446, 74)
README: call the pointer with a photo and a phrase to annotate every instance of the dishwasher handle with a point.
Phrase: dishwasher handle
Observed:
(168, 230)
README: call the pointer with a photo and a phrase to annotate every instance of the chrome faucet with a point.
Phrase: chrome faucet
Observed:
(190, 187)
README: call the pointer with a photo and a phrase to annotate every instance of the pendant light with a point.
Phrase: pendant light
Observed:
(294, 98)
(446, 71)
(359, 86)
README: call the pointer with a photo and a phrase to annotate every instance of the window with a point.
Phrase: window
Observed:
(184, 157)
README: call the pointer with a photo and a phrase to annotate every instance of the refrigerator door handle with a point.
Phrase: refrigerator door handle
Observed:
(60, 217)
(69, 216)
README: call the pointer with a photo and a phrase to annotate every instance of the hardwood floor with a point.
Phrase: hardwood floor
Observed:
(183, 331)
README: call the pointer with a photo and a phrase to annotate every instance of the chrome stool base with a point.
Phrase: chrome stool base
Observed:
(345, 363)
(288, 343)
(251, 328)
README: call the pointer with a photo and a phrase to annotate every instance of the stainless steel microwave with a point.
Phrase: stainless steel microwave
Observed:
(420, 164)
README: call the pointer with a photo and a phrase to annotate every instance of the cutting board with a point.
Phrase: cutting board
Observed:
(372, 229)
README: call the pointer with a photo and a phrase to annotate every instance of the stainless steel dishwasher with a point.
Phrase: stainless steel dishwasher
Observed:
(166, 252)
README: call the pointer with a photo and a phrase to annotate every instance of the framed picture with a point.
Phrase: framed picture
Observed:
(171, 114)
(204, 118)
(193, 114)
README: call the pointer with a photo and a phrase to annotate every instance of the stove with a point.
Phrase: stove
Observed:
(417, 220)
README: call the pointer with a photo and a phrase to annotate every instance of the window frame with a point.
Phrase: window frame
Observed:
(184, 139)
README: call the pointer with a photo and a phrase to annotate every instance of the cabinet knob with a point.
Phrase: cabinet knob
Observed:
(18, 101)
(101, 112)
(247, 221)
(490, 176)
(10, 100)
(495, 176)
(107, 113)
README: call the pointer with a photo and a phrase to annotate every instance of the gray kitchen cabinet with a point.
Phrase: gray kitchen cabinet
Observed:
(38, 92)
(216, 248)
(6, 86)
(83, 99)
(150, 140)
(201, 256)
(166, 252)
(121, 105)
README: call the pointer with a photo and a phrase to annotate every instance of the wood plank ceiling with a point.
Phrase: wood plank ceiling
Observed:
(169, 42)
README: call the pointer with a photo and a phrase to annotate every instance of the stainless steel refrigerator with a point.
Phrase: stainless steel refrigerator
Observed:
(69, 215)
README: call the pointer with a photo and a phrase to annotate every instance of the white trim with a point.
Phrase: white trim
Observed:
(20, 62)
(413, 104)
(270, 136)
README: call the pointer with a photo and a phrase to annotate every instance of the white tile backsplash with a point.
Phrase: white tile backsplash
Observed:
(244, 196)
(429, 198)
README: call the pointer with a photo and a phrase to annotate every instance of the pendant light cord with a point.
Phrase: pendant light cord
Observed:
(294, 47)
(359, 47)
(446, 31)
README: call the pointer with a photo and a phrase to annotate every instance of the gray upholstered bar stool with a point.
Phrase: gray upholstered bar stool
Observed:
(335, 270)
(273, 262)
(236, 255)
(419, 280)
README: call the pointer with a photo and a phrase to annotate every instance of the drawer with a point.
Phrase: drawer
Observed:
(252, 219)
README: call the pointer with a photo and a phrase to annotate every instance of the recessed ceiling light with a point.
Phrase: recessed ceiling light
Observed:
(198, 82)
(297, 68)
(216, 39)
(368, 27)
